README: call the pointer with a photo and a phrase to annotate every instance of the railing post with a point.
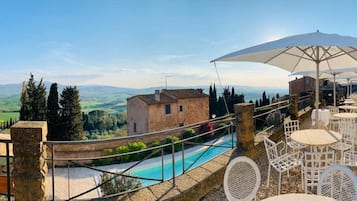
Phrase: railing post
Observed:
(244, 125)
(8, 171)
(294, 104)
(30, 168)
(173, 163)
(53, 170)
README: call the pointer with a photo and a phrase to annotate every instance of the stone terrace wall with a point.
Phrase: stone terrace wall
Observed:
(95, 148)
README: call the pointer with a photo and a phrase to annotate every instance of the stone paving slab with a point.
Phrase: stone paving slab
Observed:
(164, 191)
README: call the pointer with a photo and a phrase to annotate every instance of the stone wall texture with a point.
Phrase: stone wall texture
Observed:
(30, 168)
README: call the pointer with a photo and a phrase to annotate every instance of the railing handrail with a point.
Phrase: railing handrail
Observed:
(271, 105)
(195, 125)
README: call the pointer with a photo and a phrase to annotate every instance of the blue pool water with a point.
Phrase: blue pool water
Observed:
(155, 170)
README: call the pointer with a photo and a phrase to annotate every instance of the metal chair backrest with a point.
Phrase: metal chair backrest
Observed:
(314, 164)
(289, 127)
(348, 129)
(338, 182)
(271, 149)
(241, 179)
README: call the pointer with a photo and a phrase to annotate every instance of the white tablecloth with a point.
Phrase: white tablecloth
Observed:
(324, 116)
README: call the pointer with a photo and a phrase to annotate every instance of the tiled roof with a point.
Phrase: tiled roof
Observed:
(171, 96)
(185, 93)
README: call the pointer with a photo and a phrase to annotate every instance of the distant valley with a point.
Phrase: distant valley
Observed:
(113, 99)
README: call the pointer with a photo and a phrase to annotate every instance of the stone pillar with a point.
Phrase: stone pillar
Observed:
(30, 168)
(244, 126)
(294, 101)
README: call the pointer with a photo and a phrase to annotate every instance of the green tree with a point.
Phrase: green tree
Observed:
(71, 115)
(53, 117)
(25, 110)
(33, 101)
(39, 106)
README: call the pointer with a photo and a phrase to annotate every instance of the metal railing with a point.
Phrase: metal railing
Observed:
(261, 114)
(7, 164)
(174, 150)
(304, 102)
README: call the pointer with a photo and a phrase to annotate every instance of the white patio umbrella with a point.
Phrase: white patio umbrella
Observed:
(327, 74)
(312, 51)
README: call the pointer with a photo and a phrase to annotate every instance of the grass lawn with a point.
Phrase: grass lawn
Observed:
(5, 116)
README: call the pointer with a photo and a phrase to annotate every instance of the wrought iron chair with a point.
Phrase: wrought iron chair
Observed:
(338, 182)
(289, 127)
(281, 161)
(348, 129)
(241, 179)
(314, 164)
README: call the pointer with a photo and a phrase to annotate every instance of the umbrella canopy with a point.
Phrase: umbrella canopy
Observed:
(327, 74)
(311, 51)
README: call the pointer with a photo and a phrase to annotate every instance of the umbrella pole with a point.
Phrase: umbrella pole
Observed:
(317, 89)
(334, 90)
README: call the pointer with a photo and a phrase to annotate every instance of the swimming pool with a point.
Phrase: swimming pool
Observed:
(201, 154)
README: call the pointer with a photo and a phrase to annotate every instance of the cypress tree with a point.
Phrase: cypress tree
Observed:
(39, 103)
(33, 101)
(71, 115)
(25, 110)
(53, 117)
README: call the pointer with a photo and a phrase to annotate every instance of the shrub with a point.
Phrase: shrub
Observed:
(206, 128)
(169, 140)
(221, 129)
(118, 183)
(103, 161)
(108, 151)
(187, 133)
(137, 146)
(120, 150)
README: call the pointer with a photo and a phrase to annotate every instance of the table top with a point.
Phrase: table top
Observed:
(316, 137)
(346, 115)
(299, 197)
(347, 107)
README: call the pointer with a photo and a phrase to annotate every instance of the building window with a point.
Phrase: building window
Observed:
(167, 109)
(181, 108)
(181, 124)
(134, 127)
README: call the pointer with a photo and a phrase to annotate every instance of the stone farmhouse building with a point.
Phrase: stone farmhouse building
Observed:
(166, 109)
(301, 85)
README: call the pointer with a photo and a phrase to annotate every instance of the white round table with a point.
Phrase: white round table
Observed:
(299, 197)
(348, 108)
(316, 138)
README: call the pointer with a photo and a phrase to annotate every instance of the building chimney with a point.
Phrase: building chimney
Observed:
(157, 95)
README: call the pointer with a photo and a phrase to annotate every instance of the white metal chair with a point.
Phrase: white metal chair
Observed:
(338, 182)
(241, 179)
(333, 121)
(281, 161)
(348, 129)
(289, 127)
(314, 164)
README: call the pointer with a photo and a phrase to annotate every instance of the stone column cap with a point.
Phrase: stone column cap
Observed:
(17, 129)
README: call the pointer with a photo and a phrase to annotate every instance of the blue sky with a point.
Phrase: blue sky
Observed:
(137, 43)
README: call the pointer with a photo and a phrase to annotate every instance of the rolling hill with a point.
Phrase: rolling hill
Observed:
(113, 99)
